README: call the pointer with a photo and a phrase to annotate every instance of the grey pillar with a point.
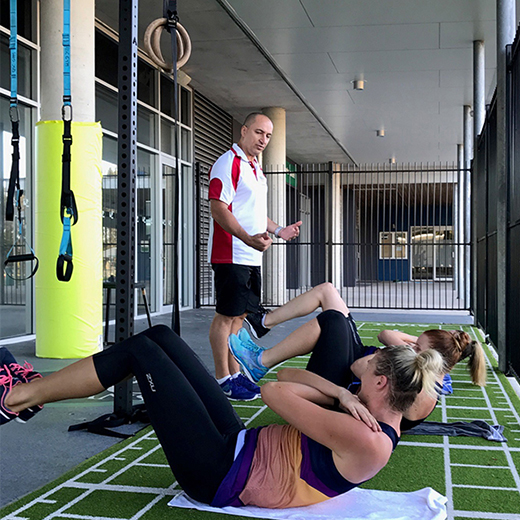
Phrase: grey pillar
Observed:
(479, 85)
(465, 194)
(506, 17)
(273, 160)
(82, 72)
(479, 115)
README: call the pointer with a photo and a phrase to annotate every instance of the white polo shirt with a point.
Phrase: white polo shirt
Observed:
(242, 185)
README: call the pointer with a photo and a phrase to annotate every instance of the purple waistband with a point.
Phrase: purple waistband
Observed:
(229, 490)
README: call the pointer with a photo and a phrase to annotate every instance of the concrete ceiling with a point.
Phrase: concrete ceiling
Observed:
(415, 57)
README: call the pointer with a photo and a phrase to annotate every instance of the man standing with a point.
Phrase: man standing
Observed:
(239, 235)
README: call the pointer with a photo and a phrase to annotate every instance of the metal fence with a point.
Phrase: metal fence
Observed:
(386, 236)
(513, 227)
(488, 303)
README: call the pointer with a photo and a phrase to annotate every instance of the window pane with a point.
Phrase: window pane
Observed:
(146, 126)
(26, 11)
(145, 243)
(106, 108)
(109, 168)
(167, 95)
(166, 137)
(106, 59)
(24, 66)
(186, 237)
(185, 107)
(385, 240)
(146, 83)
(15, 295)
(185, 144)
(168, 221)
(401, 247)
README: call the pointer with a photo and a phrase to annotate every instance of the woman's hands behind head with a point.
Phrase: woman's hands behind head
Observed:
(351, 404)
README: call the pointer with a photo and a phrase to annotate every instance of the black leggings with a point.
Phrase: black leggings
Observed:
(338, 346)
(193, 419)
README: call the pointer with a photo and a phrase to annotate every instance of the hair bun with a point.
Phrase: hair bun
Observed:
(461, 338)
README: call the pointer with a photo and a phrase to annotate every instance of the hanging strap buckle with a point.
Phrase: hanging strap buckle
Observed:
(66, 109)
(68, 208)
(14, 114)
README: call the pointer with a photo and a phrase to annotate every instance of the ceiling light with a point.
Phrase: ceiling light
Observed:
(359, 84)
(380, 133)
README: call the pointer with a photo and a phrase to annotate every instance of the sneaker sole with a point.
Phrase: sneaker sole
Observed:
(247, 400)
(252, 330)
(244, 367)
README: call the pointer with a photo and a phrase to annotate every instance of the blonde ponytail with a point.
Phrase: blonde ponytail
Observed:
(408, 373)
(429, 365)
(477, 363)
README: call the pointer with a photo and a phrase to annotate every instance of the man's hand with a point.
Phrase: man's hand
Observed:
(290, 232)
(260, 241)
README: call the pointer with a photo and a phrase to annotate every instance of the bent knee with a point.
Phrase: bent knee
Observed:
(327, 288)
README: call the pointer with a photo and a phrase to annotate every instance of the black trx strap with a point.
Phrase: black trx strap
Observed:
(68, 209)
(14, 179)
(20, 251)
(170, 13)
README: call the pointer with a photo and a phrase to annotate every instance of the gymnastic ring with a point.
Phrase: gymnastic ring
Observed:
(152, 44)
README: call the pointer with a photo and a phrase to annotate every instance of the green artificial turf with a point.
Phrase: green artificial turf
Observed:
(131, 481)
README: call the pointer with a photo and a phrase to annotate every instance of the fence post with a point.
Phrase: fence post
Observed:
(329, 216)
(198, 248)
(506, 16)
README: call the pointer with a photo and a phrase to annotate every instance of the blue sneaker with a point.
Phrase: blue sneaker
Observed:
(236, 392)
(248, 355)
(7, 381)
(242, 380)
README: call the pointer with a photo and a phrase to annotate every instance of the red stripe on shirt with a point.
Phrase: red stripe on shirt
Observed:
(222, 250)
(235, 172)
(215, 188)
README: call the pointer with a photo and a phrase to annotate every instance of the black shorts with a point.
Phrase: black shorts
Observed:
(237, 288)
(338, 346)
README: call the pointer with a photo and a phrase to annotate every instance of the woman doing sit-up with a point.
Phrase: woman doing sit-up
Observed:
(319, 454)
(333, 336)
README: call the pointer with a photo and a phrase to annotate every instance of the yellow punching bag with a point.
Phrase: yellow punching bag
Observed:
(69, 314)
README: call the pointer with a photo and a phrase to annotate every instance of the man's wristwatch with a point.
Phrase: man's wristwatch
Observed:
(277, 231)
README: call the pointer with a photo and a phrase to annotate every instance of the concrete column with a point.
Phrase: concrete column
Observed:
(479, 86)
(506, 19)
(465, 208)
(273, 160)
(82, 60)
(479, 116)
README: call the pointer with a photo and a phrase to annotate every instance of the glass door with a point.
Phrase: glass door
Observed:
(444, 254)
(432, 252)
(169, 220)
(186, 233)
(145, 248)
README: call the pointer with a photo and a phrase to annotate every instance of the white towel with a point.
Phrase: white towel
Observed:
(357, 504)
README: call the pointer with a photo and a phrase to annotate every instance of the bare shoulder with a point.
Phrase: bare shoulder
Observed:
(362, 458)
